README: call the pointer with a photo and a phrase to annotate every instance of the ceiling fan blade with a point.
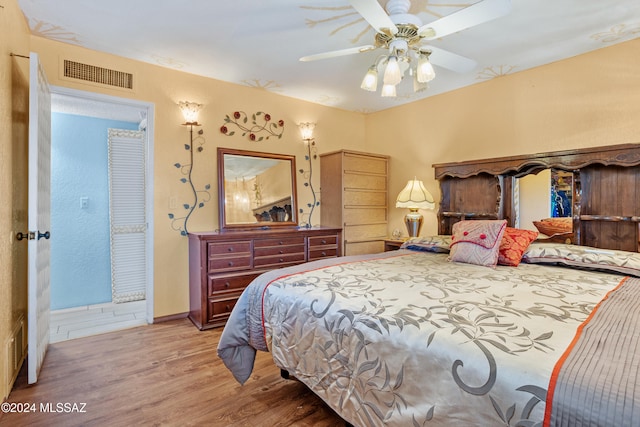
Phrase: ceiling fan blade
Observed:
(476, 14)
(335, 53)
(375, 15)
(450, 61)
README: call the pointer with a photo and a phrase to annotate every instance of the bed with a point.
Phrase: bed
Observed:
(432, 335)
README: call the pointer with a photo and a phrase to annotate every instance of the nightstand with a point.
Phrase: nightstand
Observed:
(393, 244)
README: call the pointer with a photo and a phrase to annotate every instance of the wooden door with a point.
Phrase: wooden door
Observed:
(39, 216)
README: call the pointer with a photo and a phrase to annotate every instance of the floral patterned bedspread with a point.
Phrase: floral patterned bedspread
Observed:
(407, 338)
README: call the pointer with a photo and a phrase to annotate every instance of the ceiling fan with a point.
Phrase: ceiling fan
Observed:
(403, 35)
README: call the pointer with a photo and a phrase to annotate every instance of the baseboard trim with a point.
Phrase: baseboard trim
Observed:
(176, 316)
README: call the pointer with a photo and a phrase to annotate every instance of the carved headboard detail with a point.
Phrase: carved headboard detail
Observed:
(606, 194)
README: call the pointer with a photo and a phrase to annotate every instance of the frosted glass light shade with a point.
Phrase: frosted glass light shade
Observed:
(190, 111)
(425, 70)
(370, 80)
(388, 90)
(392, 74)
(306, 130)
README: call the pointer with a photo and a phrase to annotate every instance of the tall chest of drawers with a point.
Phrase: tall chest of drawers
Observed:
(222, 264)
(354, 193)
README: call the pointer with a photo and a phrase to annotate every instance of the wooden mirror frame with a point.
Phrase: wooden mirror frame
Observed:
(224, 226)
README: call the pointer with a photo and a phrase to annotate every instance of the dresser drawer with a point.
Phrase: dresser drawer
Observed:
(322, 253)
(278, 250)
(330, 239)
(281, 241)
(229, 283)
(221, 308)
(361, 248)
(354, 162)
(225, 248)
(364, 181)
(279, 260)
(367, 215)
(365, 232)
(365, 198)
(229, 263)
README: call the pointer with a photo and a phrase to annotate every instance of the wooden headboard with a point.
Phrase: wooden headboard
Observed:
(606, 193)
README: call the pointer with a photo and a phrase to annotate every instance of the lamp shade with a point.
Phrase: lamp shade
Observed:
(190, 111)
(415, 196)
(425, 71)
(370, 80)
(306, 130)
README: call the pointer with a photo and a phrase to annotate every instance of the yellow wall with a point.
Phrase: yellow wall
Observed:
(14, 105)
(165, 88)
(586, 101)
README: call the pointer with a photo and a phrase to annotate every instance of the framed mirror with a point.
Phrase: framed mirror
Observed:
(256, 190)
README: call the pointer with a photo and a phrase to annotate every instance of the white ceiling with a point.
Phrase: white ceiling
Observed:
(258, 43)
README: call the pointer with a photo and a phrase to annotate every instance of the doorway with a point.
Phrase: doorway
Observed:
(81, 261)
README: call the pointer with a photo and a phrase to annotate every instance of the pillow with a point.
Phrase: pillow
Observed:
(477, 241)
(513, 244)
(551, 226)
(428, 244)
(609, 260)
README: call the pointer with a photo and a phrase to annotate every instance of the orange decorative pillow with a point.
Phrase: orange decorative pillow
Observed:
(551, 226)
(514, 243)
(477, 241)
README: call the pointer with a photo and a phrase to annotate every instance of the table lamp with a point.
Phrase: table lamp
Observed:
(414, 196)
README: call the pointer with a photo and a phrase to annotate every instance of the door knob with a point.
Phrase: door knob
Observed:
(31, 235)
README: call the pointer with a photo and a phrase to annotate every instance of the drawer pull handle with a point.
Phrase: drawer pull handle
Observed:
(281, 251)
(230, 263)
(228, 307)
(281, 242)
(324, 253)
(324, 242)
(230, 249)
(227, 285)
(280, 260)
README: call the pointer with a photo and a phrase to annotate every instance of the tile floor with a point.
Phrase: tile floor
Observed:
(84, 321)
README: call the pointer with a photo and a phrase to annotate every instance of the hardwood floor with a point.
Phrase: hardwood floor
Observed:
(167, 374)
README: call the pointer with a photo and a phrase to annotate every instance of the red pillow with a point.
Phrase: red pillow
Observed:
(513, 244)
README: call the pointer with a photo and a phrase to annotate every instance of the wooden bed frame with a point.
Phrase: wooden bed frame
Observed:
(606, 192)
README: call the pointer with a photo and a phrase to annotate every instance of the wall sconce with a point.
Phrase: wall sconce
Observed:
(190, 111)
(306, 131)
(414, 196)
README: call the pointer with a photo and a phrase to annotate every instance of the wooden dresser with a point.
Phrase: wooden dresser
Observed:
(354, 189)
(222, 264)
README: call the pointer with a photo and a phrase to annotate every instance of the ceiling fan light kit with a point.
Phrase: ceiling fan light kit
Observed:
(402, 35)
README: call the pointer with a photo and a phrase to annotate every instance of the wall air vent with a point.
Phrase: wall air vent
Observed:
(100, 75)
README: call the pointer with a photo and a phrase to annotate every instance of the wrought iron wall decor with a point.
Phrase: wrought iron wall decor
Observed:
(306, 130)
(200, 197)
(253, 130)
